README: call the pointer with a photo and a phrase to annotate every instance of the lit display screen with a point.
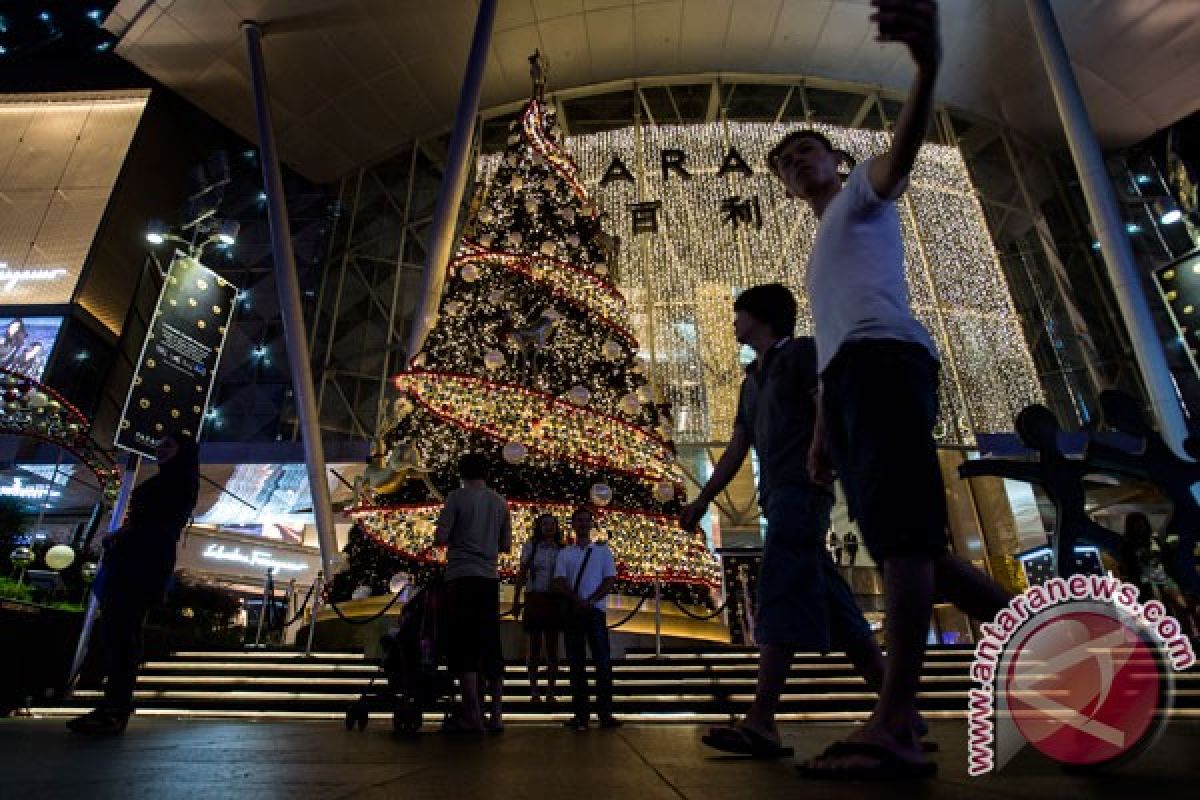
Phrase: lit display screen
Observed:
(1038, 564)
(26, 343)
(268, 499)
(44, 486)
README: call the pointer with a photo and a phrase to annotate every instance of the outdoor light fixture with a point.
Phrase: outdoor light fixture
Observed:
(227, 231)
(1171, 217)
(1132, 227)
(1143, 179)
(156, 232)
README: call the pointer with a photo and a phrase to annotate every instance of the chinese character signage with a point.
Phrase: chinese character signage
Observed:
(179, 359)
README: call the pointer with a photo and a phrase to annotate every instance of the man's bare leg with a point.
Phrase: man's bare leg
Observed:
(866, 656)
(909, 586)
(774, 664)
(471, 715)
(972, 591)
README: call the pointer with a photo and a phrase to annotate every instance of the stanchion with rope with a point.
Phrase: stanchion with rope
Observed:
(365, 620)
(657, 616)
(289, 595)
(630, 615)
(319, 585)
(300, 611)
(701, 617)
(268, 597)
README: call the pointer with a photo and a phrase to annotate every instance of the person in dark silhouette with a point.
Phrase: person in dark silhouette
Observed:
(1061, 478)
(835, 548)
(851, 548)
(1156, 462)
(138, 563)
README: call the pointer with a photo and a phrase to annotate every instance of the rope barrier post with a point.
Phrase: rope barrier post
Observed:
(657, 616)
(262, 609)
(289, 611)
(316, 606)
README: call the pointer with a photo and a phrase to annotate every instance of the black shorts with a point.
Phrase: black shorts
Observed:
(544, 611)
(879, 405)
(473, 622)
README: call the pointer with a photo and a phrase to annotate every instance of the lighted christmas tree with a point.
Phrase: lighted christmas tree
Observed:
(531, 360)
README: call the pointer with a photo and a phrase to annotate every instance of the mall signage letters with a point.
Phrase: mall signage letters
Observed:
(256, 559)
(735, 210)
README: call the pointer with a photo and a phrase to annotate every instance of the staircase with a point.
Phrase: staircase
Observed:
(688, 686)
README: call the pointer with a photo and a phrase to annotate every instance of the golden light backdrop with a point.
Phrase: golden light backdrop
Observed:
(680, 281)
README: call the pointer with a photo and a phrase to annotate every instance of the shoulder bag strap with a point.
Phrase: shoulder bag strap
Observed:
(582, 567)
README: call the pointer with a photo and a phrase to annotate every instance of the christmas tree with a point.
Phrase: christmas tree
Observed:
(531, 361)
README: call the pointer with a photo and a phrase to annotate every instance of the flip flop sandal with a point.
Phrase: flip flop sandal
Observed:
(889, 767)
(745, 742)
(454, 727)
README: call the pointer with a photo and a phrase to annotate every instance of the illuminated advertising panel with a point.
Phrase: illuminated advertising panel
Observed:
(26, 343)
(175, 372)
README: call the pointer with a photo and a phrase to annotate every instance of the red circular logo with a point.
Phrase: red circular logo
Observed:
(1084, 687)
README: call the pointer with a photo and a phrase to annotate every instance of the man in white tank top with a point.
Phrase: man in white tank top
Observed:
(878, 370)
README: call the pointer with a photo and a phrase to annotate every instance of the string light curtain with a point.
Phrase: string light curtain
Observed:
(721, 231)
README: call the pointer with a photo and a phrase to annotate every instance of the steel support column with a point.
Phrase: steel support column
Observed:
(1110, 229)
(288, 285)
(454, 180)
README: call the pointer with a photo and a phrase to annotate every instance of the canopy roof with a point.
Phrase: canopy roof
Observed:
(353, 80)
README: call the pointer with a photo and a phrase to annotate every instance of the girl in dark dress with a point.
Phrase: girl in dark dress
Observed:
(139, 561)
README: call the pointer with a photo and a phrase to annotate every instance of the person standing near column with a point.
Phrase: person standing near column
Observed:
(475, 527)
(138, 564)
(879, 401)
(585, 574)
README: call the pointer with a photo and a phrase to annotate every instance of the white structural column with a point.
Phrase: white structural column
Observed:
(454, 180)
(1110, 228)
(288, 285)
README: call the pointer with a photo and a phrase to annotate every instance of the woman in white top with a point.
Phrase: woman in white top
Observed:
(543, 619)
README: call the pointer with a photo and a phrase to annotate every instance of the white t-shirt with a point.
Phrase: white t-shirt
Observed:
(540, 563)
(599, 567)
(478, 521)
(856, 283)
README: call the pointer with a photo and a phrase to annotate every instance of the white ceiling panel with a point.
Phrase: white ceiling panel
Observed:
(334, 63)
(656, 36)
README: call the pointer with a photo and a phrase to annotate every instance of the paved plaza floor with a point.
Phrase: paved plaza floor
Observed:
(162, 758)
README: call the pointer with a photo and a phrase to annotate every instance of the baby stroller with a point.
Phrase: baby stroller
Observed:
(412, 654)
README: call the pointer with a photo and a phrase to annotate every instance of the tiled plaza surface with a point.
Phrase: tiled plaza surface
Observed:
(167, 758)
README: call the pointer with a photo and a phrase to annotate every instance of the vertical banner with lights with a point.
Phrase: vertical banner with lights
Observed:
(740, 567)
(174, 376)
